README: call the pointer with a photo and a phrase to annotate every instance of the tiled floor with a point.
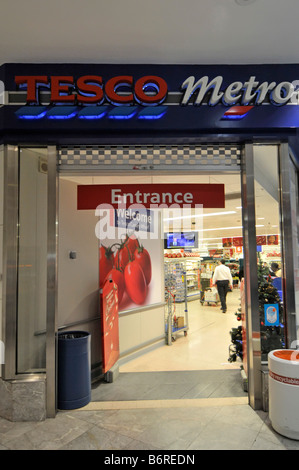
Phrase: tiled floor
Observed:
(186, 396)
(171, 385)
(222, 424)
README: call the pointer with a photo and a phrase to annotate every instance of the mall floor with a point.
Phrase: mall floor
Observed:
(189, 416)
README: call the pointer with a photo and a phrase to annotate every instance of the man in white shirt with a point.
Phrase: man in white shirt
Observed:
(223, 280)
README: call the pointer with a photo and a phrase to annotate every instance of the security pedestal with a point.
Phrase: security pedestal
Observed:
(284, 392)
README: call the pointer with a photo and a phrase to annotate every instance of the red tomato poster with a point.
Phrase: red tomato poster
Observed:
(110, 331)
(134, 261)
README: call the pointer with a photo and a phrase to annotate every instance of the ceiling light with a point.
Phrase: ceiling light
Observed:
(211, 238)
(224, 228)
(244, 2)
(218, 213)
(220, 228)
(201, 215)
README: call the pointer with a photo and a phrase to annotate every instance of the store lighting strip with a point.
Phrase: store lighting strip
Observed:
(224, 228)
(219, 238)
(201, 215)
(90, 112)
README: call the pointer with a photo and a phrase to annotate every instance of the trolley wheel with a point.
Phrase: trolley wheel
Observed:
(172, 338)
(185, 333)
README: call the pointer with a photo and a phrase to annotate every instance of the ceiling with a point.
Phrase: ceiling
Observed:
(156, 31)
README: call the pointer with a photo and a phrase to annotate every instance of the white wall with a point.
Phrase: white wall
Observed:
(140, 329)
(78, 292)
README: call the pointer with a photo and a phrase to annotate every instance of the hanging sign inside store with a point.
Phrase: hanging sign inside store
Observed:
(227, 242)
(150, 196)
(238, 241)
(260, 240)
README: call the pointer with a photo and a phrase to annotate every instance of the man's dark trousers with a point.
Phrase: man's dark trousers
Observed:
(222, 287)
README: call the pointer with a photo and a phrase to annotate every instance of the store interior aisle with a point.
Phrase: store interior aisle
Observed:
(206, 345)
(194, 366)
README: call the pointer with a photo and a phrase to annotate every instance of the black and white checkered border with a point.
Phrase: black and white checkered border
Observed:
(160, 155)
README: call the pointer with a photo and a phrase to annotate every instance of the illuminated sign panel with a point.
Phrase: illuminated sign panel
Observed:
(243, 93)
(90, 89)
(156, 97)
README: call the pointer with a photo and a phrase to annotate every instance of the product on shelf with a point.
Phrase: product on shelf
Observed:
(191, 264)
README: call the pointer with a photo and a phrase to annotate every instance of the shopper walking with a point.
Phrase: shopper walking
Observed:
(274, 270)
(223, 280)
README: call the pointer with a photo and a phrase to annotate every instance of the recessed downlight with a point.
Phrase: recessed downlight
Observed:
(244, 2)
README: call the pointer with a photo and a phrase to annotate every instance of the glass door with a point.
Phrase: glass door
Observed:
(32, 261)
(29, 267)
(269, 246)
(270, 241)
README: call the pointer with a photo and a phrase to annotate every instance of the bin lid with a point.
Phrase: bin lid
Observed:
(73, 335)
(287, 354)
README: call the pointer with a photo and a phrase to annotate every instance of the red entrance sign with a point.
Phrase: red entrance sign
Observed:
(151, 195)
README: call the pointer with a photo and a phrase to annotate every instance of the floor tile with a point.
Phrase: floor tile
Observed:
(171, 385)
(186, 396)
(98, 438)
(224, 436)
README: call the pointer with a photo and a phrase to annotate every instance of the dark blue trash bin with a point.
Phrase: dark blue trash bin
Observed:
(74, 370)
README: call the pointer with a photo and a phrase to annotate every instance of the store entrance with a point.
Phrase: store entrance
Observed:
(179, 337)
(174, 341)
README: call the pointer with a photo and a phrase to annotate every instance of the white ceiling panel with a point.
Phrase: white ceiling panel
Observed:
(156, 31)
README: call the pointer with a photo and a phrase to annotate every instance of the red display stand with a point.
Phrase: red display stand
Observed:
(110, 328)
